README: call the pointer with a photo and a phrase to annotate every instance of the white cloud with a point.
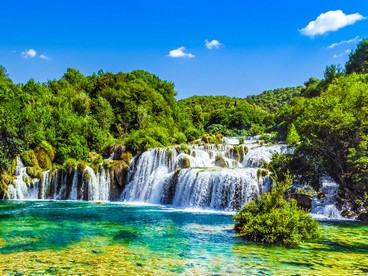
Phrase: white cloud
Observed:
(329, 22)
(180, 53)
(31, 53)
(45, 57)
(213, 44)
(346, 52)
(353, 40)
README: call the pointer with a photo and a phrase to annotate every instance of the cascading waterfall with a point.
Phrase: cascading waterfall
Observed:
(324, 207)
(220, 177)
(21, 187)
(195, 179)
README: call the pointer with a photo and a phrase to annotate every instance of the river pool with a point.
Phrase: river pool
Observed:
(81, 238)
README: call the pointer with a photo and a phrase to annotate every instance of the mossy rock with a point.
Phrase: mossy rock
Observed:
(184, 162)
(43, 159)
(29, 158)
(238, 153)
(70, 164)
(126, 157)
(261, 173)
(94, 158)
(5, 180)
(119, 170)
(34, 172)
(106, 164)
(48, 149)
(13, 166)
(221, 162)
(184, 148)
(81, 166)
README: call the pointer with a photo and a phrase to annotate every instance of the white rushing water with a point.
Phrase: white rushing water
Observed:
(22, 187)
(207, 177)
(211, 177)
(324, 207)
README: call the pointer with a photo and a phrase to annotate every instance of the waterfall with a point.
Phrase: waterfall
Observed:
(208, 176)
(325, 207)
(226, 189)
(73, 193)
(19, 189)
(98, 185)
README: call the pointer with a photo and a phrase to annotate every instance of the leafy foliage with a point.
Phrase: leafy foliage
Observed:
(358, 59)
(273, 219)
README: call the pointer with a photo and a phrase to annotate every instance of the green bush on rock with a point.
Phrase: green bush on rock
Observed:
(273, 219)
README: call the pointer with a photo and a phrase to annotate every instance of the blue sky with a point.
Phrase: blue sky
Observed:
(252, 46)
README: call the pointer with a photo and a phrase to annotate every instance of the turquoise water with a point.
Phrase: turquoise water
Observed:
(60, 237)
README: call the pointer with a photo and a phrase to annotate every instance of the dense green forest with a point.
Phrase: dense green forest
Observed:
(325, 120)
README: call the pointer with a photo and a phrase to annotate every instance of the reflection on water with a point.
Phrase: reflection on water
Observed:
(69, 238)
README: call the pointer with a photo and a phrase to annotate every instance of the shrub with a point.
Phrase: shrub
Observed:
(273, 219)
(179, 137)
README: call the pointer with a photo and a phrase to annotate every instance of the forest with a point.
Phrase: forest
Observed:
(325, 120)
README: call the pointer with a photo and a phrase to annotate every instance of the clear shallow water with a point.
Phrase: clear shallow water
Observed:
(69, 238)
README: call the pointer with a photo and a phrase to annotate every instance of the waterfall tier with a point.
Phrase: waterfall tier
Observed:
(220, 177)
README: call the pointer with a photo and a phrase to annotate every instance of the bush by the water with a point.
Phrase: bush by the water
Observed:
(273, 219)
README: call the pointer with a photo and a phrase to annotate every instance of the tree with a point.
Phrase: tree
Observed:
(358, 59)
(292, 137)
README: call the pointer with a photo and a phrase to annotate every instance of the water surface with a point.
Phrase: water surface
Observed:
(69, 238)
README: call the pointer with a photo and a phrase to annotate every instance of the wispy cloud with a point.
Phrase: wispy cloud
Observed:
(353, 40)
(30, 53)
(180, 53)
(45, 57)
(346, 52)
(213, 44)
(329, 22)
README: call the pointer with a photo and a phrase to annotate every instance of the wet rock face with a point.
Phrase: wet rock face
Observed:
(118, 151)
(363, 217)
(304, 201)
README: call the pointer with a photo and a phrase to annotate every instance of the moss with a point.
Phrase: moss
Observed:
(5, 180)
(239, 153)
(183, 162)
(48, 149)
(106, 164)
(221, 162)
(126, 157)
(261, 173)
(13, 166)
(43, 159)
(81, 165)
(29, 158)
(94, 158)
(219, 136)
(34, 172)
(213, 140)
(69, 165)
(205, 138)
(184, 148)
